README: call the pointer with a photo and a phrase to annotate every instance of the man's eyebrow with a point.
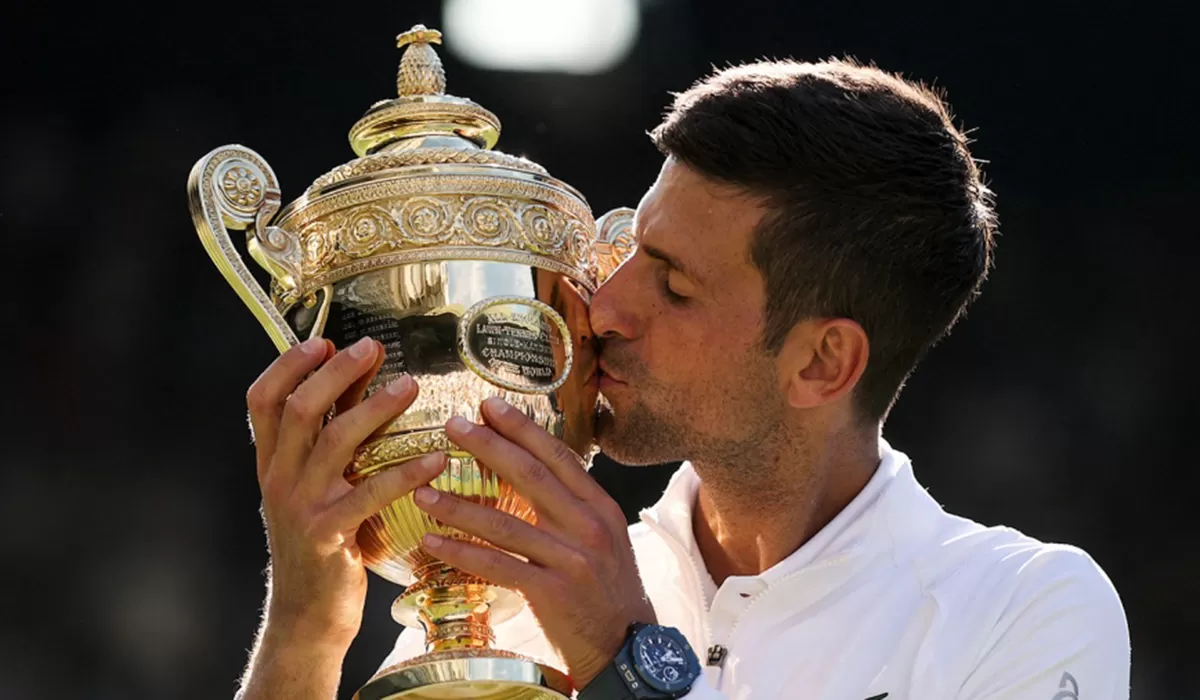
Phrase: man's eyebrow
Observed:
(660, 254)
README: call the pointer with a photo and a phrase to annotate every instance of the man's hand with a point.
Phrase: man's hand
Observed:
(318, 583)
(580, 579)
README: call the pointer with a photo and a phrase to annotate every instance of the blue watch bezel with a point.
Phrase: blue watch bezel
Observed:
(640, 637)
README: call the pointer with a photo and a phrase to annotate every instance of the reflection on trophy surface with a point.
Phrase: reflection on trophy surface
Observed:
(474, 269)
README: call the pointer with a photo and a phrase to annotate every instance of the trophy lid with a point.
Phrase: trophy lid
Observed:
(423, 109)
(426, 186)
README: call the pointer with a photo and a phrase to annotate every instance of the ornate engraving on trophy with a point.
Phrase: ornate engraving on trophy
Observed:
(242, 186)
(519, 344)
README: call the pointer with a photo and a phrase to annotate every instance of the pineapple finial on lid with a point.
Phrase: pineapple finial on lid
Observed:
(421, 71)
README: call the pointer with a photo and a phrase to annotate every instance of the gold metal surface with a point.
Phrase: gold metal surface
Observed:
(433, 213)
(467, 673)
(614, 242)
(233, 188)
(425, 156)
(474, 268)
(421, 70)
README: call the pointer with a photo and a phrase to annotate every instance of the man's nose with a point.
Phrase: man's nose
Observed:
(610, 311)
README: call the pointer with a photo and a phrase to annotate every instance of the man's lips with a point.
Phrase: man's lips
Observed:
(608, 386)
(607, 377)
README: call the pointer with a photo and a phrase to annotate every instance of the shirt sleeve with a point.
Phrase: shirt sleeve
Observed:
(1063, 637)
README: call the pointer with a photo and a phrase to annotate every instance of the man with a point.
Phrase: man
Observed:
(814, 230)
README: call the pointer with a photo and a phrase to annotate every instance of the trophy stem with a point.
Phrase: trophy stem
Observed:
(454, 608)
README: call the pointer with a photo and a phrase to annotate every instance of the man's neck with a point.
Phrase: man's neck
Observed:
(748, 519)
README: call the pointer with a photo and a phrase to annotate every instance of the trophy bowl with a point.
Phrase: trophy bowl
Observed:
(474, 269)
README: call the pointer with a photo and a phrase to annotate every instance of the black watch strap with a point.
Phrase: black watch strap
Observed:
(607, 686)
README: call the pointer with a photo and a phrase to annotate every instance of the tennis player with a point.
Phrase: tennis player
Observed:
(814, 230)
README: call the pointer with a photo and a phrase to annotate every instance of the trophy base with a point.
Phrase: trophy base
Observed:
(468, 674)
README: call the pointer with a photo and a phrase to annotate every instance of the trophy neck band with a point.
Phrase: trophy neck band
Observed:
(367, 219)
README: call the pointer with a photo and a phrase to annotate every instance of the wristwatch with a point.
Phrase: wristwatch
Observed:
(655, 663)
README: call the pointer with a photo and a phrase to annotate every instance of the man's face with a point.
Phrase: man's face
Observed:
(680, 325)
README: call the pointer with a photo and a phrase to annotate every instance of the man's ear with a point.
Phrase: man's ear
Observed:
(822, 361)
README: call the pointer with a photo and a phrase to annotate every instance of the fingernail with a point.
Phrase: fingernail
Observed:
(399, 386)
(360, 349)
(432, 541)
(426, 495)
(432, 461)
(460, 425)
(497, 406)
(312, 346)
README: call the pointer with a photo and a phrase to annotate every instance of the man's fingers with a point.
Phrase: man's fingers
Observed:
(498, 567)
(267, 394)
(352, 396)
(527, 475)
(569, 467)
(497, 527)
(304, 411)
(377, 491)
(336, 444)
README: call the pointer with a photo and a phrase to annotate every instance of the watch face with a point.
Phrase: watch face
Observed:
(664, 659)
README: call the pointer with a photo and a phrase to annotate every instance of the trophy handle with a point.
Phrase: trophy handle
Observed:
(614, 242)
(233, 188)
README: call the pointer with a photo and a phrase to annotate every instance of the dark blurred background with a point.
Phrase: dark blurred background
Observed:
(129, 523)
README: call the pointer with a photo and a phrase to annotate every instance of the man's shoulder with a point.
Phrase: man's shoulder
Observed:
(1007, 606)
(1016, 608)
(965, 554)
(961, 558)
(995, 577)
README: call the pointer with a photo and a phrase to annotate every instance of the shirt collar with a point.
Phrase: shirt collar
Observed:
(863, 524)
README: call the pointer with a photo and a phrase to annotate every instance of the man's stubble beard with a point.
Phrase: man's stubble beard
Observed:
(743, 424)
(639, 437)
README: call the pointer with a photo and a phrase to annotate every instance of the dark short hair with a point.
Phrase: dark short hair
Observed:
(876, 210)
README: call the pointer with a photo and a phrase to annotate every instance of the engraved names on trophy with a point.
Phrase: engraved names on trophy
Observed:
(417, 345)
(356, 323)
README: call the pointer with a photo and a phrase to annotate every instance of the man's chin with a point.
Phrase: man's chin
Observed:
(628, 445)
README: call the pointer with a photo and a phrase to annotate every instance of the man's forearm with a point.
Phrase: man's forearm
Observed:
(287, 665)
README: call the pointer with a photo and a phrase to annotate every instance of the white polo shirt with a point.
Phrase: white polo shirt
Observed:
(894, 598)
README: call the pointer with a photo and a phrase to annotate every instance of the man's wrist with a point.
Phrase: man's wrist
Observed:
(305, 626)
(674, 671)
(289, 663)
(582, 679)
(608, 684)
(296, 640)
(583, 674)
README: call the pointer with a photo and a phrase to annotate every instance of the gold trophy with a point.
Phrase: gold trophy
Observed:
(474, 268)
